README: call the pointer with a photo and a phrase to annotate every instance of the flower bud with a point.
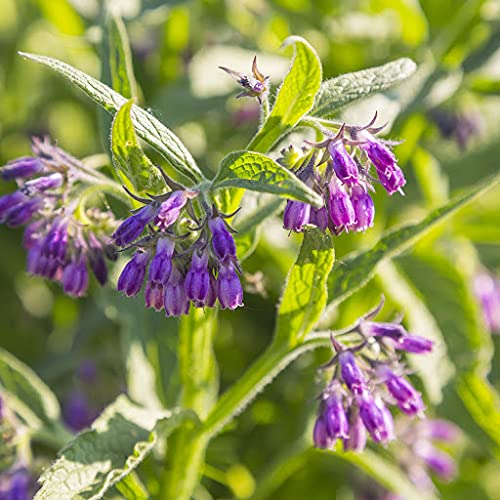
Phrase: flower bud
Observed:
(414, 344)
(364, 209)
(392, 179)
(319, 217)
(357, 432)
(320, 435)
(340, 205)
(132, 277)
(132, 227)
(351, 373)
(438, 461)
(197, 282)
(378, 153)
(440, 430)
(407, 398)
(393, 331)
(97, 259)
(335, 418)
(75, 278)
(21, 168)
(343, 164)
(376, 418)
(296, 215)
(222, 240)
(170, 209)
(175, 300)
(41, 184)
(9, 201)
(23, 212)
(229, 288)
(154, 295)
(161, 265)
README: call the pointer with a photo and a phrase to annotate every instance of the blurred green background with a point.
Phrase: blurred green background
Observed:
(447, 116)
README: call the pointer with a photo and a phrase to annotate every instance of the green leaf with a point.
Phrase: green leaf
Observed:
(147, 126)
(305, 294)
(26, 393)
(342, 90)
(120, 58)
(119, 440)
(295, 96)
(359, 268)
(128, 157)
(257, 172)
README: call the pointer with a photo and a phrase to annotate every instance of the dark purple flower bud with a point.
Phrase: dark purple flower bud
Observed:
(75, 278)
(31, 234)
(170, 209)
(414, 344)
(320, 434)
(335, 417)
(407, 398)
(161, 265)
(319, 217)
(154, 295)
(42, 184)
(34, 260)
(393, 331)
(53, 250)
(351, 373)
(21, 168)
(99, 268)
(343, 164)
(22, 213)
(357, 432)
(197, 282)
(377, 419)
(392, 179)
(77, 412)
(222, 240)
(440, 430)
(296, 215)
(132, 277)
(229, 288)
(378, 153)
(340, 205)
(176, 302)
(439, 462)
(364, 209)
(487, 291)
(211, 297)
(15, 485)
(9, 201)
(132, 227)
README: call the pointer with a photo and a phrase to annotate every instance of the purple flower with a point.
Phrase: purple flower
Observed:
(77, 412)
(335, 418)
(132, 277)
(175, 300)
(50, 256)
(378, 153)
(87, 371)
(222, 240)
(357, 432)
(351, 373)
(296, 215)
(364, 210)
(42, 184)
(440, 430)
(393, 331)
(229, 288)
(439, 462)
(320, 434)
(392, 179)
(197, 282)
(154, 295)
(344, 165)
(132, 227)
(75, 278)
(414, 344)
(31, 235)
(170, 209)
(15, 484)
(487, 291)
(376, 418)
(161, 265)
(23, 212)
(21, 168)
(9, 201)
(319, 217)
(96, 256)
(408, 399)
(340, 205)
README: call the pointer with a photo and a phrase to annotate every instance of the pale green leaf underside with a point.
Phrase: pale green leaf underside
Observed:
(128, 157)
(344, 89)
(119, 440)
(147, 126)
(295, 97)
(257, 172)
(26, 393)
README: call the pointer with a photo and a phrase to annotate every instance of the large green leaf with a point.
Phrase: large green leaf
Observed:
(147, 126)
(358, 268)
(305, 294)
(257, 172)
(344, 89)
(295, 96)
(26, 393)
(129, 158)
(119, 440)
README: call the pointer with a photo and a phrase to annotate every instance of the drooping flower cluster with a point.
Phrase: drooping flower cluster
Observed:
(367, 377)
(197, 267)
(487, 292)
(61, 245)
(342, 177)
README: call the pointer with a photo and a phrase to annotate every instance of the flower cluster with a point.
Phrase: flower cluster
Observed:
(61, 245)
(342, 177)
(367, 377)
(487, 292)
(197, 267)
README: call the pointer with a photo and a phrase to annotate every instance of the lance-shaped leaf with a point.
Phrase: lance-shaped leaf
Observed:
(344, 89)
(147, 126)
(119, 440)
(305, 294)
(128, 157)
(26, 393)
(295, 96)
(257, 172)
(359, 268)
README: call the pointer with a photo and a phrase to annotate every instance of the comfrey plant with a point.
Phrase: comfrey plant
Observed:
(186, 242)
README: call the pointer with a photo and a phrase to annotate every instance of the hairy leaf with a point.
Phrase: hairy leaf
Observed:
(295, 97)
(257, 172)
(128, 157)
(26, 393)
(147, 126)
(344, 89)
(305, 294)
(119, 440)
